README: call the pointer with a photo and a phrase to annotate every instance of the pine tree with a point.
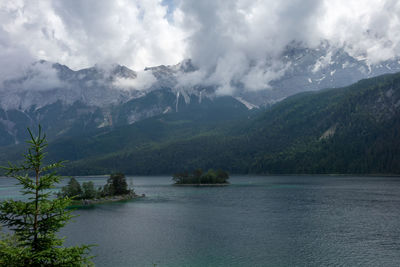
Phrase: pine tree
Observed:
(117, 184)
(36, 221)
(72, 189)
(89, 192)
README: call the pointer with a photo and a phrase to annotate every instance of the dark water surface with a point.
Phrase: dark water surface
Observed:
(256, 221)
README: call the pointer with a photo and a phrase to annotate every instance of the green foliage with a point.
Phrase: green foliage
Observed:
(198, 177)
(89, 192)
(73, 189)
(116, 185)
(36, 221)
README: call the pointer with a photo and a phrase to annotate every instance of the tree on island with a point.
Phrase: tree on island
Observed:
(72, 189)
(36, 221)
(89, 192)
(199, 177)
(116, 186)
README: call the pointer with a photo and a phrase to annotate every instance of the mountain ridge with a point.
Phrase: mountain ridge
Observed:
(349, 130)
(332, 131)
(68, 102)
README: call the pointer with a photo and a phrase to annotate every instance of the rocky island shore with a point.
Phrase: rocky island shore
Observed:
(103, 200)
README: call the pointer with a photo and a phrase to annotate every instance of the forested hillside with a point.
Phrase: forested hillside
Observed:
(353, 130)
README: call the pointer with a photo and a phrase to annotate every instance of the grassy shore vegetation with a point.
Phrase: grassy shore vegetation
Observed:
(36, 221)
(116, 186)
(198, 177)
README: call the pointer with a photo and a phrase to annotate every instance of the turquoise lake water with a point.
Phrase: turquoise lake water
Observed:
(255, 221)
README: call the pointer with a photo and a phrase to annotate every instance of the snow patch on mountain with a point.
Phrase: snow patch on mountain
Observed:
(247, 104)
(323, 62)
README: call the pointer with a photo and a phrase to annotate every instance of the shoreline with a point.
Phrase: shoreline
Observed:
(90, 202)
(201, 184)
(256, 174)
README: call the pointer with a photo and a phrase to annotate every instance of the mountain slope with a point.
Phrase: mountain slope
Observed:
(196, 119)
(348, 130)
(354, 129)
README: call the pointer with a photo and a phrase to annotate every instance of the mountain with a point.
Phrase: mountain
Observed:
(104, 97)
(354, 130)
(72, 103)
(313, 69)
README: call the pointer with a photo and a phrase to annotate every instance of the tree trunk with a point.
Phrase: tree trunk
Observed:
(35, 224)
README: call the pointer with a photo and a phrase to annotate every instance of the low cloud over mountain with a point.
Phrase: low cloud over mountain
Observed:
(235, 45)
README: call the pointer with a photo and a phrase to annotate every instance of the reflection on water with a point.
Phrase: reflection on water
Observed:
(256, 221)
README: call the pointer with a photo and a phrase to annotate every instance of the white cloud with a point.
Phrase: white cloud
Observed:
(144, 80)
(42, 76)
(370, 29)
(233, 39)
(259, 77)
(190, 79)
(230, 41)
(83, 33)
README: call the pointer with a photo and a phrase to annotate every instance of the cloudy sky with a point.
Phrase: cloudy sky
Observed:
(219, 35)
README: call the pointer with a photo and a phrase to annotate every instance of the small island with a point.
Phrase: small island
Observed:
(116, 189)
(199, 178)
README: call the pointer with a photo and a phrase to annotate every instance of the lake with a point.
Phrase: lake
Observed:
(255, 221)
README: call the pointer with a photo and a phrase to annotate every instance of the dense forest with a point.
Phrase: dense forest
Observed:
(351, 130)
(198, 177)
